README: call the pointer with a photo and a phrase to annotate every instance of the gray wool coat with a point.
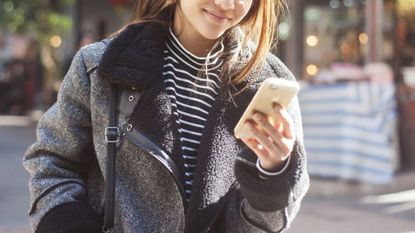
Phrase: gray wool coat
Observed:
(67, 162)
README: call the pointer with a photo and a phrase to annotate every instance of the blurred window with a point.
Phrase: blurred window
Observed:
(334, 32)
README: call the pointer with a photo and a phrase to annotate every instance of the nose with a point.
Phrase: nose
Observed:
(225, 4)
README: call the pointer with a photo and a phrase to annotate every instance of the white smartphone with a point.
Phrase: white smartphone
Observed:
(272, 90)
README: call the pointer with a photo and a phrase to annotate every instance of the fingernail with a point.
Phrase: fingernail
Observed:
(277, 108)
(248, 125)
(257, 117)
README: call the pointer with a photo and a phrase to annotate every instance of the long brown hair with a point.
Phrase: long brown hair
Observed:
(258, 28)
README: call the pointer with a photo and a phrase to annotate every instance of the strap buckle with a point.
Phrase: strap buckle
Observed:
(112, 134)
(106, 229)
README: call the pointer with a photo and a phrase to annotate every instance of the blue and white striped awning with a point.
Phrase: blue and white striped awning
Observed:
(350, 130)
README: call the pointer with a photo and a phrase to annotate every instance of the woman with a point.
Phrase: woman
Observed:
(194, 66)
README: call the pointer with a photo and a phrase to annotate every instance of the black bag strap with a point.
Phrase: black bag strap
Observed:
(112, 137)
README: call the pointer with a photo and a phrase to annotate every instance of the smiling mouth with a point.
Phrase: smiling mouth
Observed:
(216, 17)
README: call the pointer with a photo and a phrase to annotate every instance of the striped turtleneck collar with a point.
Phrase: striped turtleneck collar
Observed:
(212, 58)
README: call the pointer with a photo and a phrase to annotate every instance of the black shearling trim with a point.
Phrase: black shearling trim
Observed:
(135, 57)
(72, 217)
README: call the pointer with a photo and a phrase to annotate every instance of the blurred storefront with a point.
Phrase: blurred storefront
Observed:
(356, 59)
(20, 74)
(97, 19)
(350, 31)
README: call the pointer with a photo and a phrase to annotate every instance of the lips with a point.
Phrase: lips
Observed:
(217, 17)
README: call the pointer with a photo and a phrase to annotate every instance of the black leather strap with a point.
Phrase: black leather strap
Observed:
(140, 140)
(129, 98)
(110, 164)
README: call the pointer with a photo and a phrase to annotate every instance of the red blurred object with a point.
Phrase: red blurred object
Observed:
(119, 2)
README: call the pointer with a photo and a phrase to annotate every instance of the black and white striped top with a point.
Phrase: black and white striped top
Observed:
(191, 96)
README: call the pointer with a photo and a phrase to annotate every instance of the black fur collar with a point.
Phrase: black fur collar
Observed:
(135, 56)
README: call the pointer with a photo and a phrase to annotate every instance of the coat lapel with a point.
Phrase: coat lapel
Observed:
(153, 116)
(214, 175)
(135, 58)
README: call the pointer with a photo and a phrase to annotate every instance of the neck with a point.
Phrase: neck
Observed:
(189, 37)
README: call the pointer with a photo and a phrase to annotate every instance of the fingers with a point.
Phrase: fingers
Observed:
(283, 117)
(272, 136)
(256, 147)
(268, 143)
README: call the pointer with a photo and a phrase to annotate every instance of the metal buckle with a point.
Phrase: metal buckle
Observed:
(106, 230)
(112, 134)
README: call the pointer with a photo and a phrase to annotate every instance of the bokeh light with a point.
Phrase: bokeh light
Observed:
(363, 38)
(312, 69)
(312, 40)
(55, 41)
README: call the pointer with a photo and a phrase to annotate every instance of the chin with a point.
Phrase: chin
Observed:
(211, 35)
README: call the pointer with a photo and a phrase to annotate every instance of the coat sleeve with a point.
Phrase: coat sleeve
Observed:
(270, 205)
(59, 159)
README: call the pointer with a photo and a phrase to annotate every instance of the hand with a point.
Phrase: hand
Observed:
(273, 138)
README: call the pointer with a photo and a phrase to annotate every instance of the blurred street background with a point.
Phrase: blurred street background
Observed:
(355, 60)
